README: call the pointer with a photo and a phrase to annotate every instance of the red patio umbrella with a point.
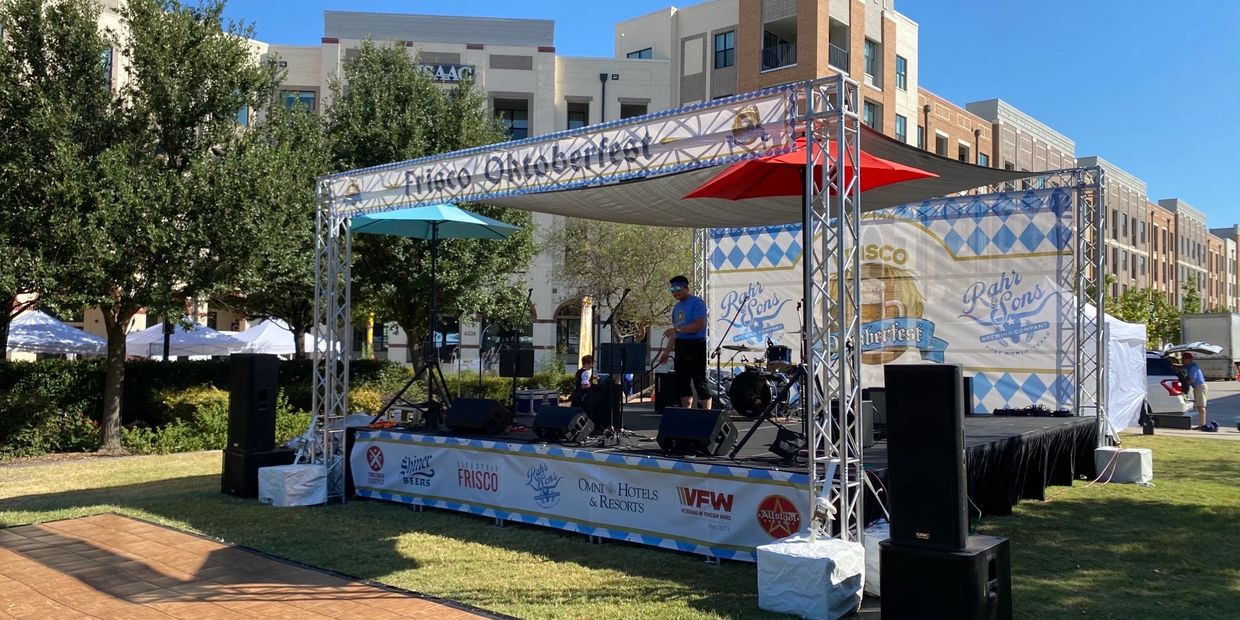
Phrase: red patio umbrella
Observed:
(780, 175)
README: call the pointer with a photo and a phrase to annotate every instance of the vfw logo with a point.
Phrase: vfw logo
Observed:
(778, 516)
(705, 503)
(374, 460)
(1007, 308)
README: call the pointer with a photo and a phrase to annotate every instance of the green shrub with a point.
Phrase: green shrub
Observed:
(31, 425)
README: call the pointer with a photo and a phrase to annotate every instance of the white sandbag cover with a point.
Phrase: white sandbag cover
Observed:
(292, 485)
(818, 579)
(874, 535)
(1124, 465)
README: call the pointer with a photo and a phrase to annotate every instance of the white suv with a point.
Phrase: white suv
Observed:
(1162, 386)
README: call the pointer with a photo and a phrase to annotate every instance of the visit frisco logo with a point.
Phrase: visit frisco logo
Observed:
(704, 503)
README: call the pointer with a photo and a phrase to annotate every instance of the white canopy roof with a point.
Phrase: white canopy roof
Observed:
(198, 340)
(272, 336)
(35, 331)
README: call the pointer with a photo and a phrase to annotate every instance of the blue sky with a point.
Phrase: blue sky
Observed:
(1153, 87)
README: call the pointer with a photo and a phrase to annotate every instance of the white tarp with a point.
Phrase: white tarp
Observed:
(35, 331)
(197, 340)
(272, 336)
(1125, 371)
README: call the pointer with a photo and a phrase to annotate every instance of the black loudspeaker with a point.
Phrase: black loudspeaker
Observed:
(516, 363)
(252, 389)
(478, 416)
(601, 404)
(867, 421)
(925, 455)
(878, 397)
(562, 424)
(665, 391)
(240, 475)
(696, 431)
(973, 583)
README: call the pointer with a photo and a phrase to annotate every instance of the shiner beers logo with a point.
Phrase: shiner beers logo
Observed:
(778, 516)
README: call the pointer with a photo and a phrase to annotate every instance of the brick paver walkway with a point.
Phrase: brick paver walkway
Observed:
(110, 566)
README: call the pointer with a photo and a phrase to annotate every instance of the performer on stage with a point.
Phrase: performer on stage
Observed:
(688, 332)
(583, 380)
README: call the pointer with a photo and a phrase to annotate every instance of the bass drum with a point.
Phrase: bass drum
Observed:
(752, 391)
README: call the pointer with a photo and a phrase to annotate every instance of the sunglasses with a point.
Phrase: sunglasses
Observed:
(675, 288)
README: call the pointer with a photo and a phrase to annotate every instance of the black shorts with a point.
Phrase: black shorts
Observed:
(690, 367)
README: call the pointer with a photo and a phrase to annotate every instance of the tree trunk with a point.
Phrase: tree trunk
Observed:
(299, 338)
(113, 383)
(6, 320)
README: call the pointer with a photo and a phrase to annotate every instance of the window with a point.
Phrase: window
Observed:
(725, 49)
(629, 110)
(940, 145)
(1007, 165)
(568, 329)
(1114, 224)
(299, 97)
(872, 115)
(901, 73)
(921, 137)
(645, 54)
(1123, 220)
(514, 115)
(962, 152)
(871, 58)
(107, 68)
(578, 114)
(983, 160)
(901, 128)
(1114, 261)
(243, 116)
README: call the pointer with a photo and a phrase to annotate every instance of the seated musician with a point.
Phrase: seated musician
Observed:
(584, 380)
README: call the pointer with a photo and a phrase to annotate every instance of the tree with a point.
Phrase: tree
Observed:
(50, 87)
(285, 153)
(602, 259)
(1192, 297)
(1151, 308)
(385, 109)
(146, 174)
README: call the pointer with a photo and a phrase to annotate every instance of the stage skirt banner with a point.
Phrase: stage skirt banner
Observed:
(697, 136)
(709, 509)
(982, 281)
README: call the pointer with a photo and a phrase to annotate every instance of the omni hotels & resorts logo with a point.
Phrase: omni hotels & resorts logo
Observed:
(618, 496)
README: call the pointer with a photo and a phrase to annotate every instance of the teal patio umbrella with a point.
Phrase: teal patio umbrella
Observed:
(433, 222)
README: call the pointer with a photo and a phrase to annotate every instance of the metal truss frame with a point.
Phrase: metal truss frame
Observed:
(333, 328)
(829, 111)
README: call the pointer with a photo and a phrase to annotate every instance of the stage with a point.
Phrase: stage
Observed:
(715, 506)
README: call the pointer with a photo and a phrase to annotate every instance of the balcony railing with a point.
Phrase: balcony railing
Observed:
(838, 57)
(781, 55)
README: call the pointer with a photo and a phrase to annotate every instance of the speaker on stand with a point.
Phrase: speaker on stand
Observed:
(252, 390)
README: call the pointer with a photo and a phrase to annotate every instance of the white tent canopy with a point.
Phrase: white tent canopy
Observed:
(1125, 364)
(272, 336)
(36, 331)
(197, 340)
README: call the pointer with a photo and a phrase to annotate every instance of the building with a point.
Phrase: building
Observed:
(949, 130)
(1162, 251)
(1231, 241)
(1191, 247)
(1127, 231)
(1021, 142)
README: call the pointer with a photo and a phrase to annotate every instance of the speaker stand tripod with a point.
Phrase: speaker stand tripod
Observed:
(435, 381)
(797, 377)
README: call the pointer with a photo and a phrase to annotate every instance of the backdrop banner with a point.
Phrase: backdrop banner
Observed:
(710, 134)
(701, 508)
(983, 281)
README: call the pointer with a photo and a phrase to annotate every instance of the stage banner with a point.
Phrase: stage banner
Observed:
(697, 136)
(982, 281)
(709, 509)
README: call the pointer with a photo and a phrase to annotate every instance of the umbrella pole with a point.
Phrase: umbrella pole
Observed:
(430, 384)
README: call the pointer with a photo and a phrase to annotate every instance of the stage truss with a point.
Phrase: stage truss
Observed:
(826, 110)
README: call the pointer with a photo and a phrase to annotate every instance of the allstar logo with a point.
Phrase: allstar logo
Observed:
(778, 516)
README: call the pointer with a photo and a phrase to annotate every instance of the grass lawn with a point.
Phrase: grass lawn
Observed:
(1102, 551)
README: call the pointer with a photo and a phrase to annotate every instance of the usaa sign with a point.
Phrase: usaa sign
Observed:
(448, 73)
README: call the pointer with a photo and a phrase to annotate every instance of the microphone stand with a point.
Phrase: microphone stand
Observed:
(722, 339)
(609, 323)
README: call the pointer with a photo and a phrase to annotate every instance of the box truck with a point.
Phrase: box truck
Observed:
(1220, 328)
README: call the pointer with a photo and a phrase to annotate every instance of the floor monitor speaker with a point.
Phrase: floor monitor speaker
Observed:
(706, 432)
(562, 424)
(478, 416)
(252, 388)
(925, 455)
(974, 583)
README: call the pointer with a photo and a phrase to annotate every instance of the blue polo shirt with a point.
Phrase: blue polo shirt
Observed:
(687, 311)
(1195, 376)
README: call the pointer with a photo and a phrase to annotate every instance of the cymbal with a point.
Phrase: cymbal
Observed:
(739, 347)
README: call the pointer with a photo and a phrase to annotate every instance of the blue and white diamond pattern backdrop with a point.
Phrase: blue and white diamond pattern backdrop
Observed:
(977, 280)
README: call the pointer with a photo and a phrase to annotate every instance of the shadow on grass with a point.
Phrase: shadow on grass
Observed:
(1123, 558)
(362, 539)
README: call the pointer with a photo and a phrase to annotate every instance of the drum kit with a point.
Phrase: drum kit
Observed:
(761, 383)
